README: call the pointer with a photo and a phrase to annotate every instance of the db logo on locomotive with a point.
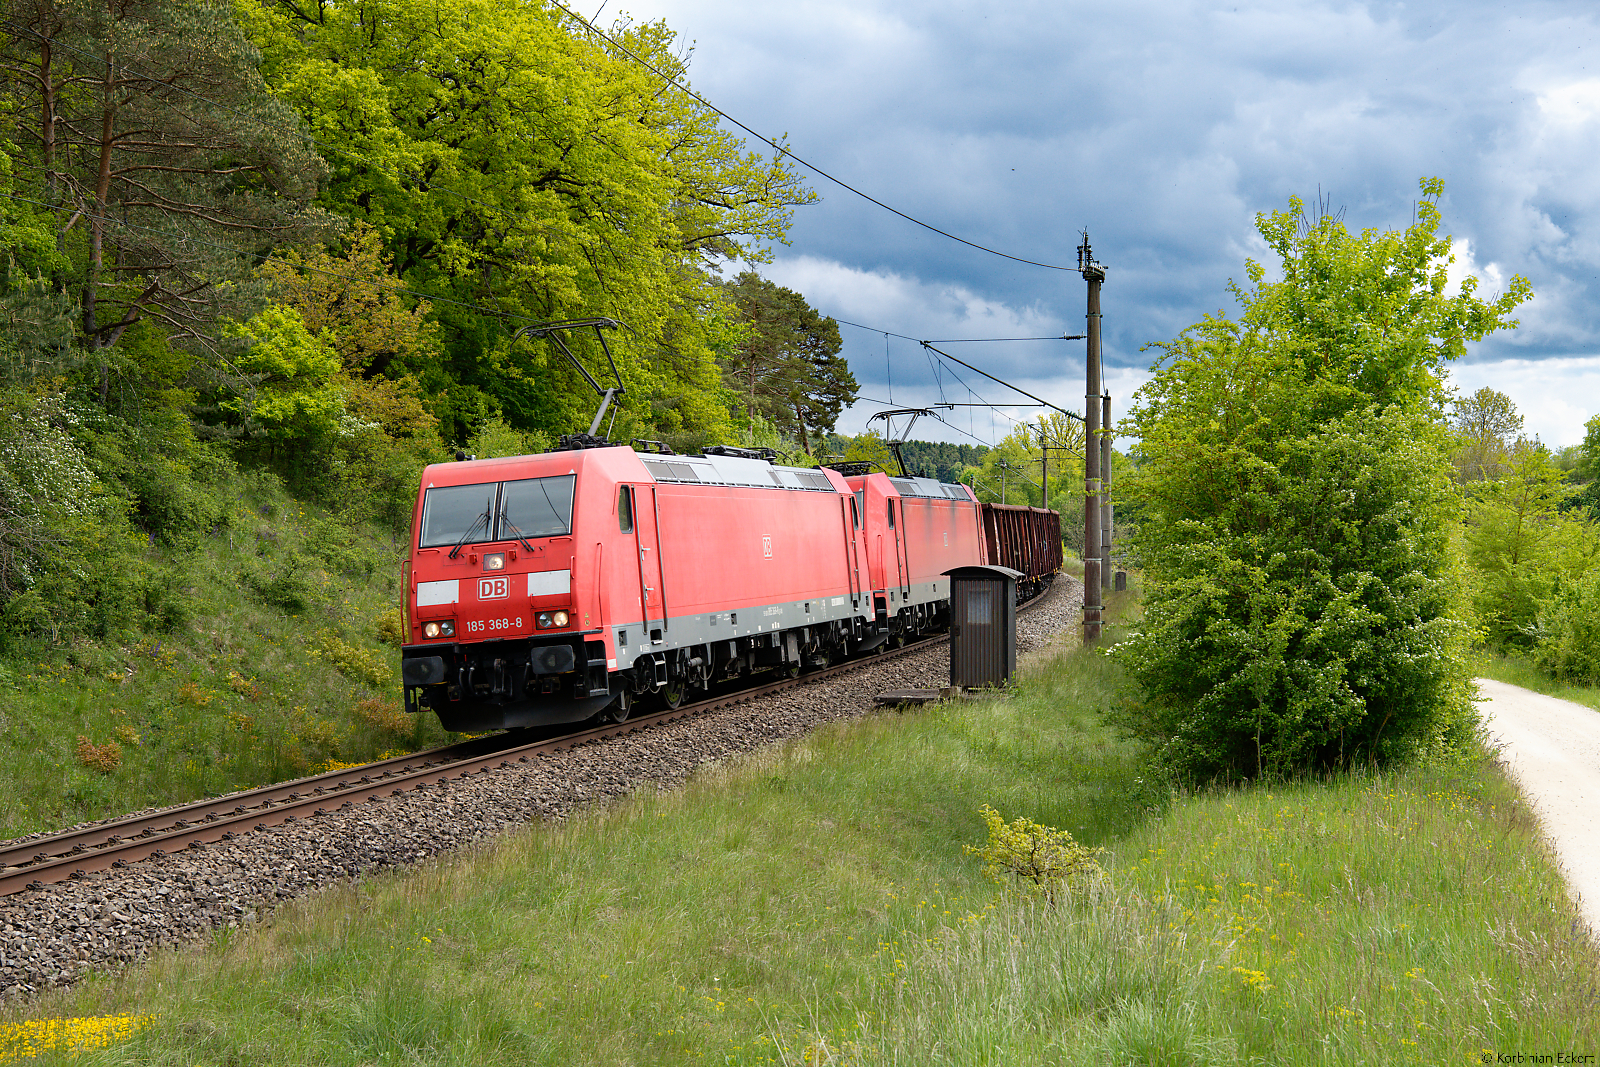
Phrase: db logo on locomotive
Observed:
(493, 589)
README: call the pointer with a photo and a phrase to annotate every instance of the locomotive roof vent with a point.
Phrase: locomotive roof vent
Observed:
(735, 470)
(663, 471)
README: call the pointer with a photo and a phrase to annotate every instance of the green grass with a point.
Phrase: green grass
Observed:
(274, 668)
(1516, 669)
(814, 904)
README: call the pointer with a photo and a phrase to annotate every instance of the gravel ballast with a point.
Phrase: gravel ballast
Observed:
(55, 935)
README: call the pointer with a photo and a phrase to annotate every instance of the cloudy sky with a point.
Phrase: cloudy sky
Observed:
(1163, 127)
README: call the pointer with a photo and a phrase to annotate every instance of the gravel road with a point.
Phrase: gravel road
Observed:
(1553, 749)
(54, 935)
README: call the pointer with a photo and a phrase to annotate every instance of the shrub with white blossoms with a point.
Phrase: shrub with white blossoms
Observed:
(43, 480)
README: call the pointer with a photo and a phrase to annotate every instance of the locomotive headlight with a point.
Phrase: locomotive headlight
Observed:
(447, 628)
(430, 629)
(494, 561)
(547, 619)
(439, 629)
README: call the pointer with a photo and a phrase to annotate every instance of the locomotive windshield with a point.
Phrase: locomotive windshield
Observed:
(536, 507)
(497, 511)
(450, 513)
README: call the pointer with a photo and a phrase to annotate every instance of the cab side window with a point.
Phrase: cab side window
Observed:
(891, 513)
(625, 509)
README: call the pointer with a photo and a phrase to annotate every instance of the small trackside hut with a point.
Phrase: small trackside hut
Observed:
(983, 626)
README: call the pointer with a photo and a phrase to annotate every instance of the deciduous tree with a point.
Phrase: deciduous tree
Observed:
(516, 164)
(1302, 603)
(1486, 425)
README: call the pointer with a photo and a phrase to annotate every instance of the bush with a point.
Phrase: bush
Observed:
(357, 663)
(391, 627)
(286, 587)
(1567, 637)
(1047, 858)
(104, 758)
(1302, 584)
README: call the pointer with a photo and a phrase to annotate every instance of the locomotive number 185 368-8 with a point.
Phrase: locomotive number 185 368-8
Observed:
(475, 626)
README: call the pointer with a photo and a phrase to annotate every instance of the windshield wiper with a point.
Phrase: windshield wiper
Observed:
(508, 524)
(481, 520)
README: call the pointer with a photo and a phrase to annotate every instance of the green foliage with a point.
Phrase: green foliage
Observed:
(497, 439)
(177, 177)
(1485, 426)
(941, 459)
(787, 366)
(284, 584)
(1302, 587)
(1523, 542)
(1567, 632)
(294, 397)
(365, 665)
(1586, 470)
(870, 447)
(1047, 858)
(1013, 471)
(561, 182)
(390, 628)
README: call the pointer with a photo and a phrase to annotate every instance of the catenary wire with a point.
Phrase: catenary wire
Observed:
(928, 345)
(783, 151)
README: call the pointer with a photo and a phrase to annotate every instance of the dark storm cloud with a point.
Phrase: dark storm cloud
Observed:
(1163, 127)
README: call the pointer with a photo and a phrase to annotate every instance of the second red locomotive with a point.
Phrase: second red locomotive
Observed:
(557, 587)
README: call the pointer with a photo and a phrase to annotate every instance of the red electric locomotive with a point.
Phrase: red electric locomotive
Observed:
(916, 529)
(559, 587)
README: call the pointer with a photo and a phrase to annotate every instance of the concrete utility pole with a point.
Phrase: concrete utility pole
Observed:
(1105, 482)
(1044, 470)
(1094, 274)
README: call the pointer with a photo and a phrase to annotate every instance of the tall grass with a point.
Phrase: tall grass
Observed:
(274, 667)
(1514, 668)
(813, 904)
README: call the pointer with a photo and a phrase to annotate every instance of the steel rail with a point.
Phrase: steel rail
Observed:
(30, 850)
(32, 864)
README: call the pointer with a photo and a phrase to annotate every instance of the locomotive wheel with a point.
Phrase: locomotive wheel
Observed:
(672, 693)
(620, 709)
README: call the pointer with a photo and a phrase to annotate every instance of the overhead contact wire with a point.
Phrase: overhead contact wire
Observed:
(784, 151)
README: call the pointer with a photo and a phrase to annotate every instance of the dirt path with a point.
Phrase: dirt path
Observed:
(1553, 749)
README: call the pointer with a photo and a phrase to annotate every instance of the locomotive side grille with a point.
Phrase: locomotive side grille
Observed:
(723, 471)
(810, 480)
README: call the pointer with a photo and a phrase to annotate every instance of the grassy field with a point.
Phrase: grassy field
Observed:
(273, 665)
(1519, 670)
(815, 905)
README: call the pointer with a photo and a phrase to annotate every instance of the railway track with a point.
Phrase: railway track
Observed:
(40, 861)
